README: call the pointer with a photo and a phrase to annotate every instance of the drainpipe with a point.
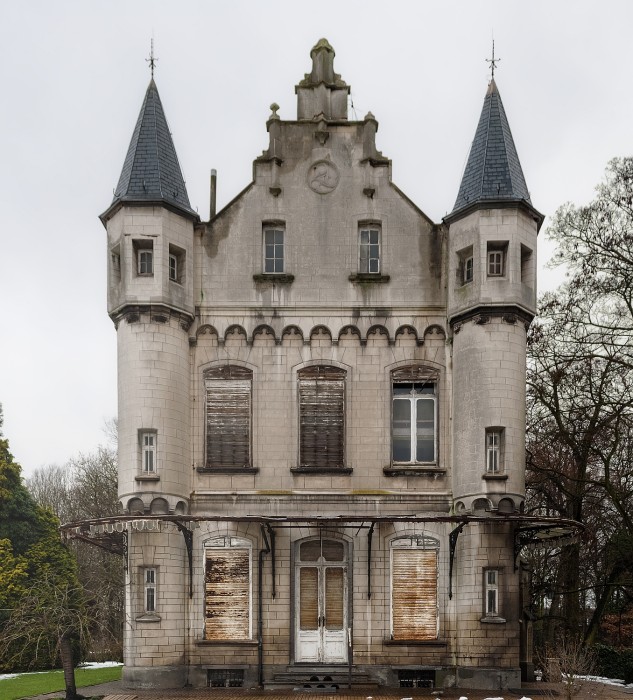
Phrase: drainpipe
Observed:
(260, 605)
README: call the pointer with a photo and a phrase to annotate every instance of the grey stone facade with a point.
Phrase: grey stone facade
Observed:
(322, 395)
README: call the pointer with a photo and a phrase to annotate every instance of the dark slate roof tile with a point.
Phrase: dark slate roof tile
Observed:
(493, 170)
(151, 171)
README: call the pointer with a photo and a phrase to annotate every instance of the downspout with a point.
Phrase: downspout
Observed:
(260, 606)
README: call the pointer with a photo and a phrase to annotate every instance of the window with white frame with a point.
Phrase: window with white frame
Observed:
(414, 603)
(228, 589)
(369, 239)
(147, 439)
(494, 450)
(144, 252)
(496, 259)
(149, 590)
(228, 416)
(465, 266)
(176, 263)
(414, 416)
(274, 248)
(491, 592)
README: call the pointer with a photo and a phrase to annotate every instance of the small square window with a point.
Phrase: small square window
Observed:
(496, 259)
(176, 264)
(369, 249)
(148, 451)
(274, 249)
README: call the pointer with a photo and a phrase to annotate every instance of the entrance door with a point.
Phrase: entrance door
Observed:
(321, 603)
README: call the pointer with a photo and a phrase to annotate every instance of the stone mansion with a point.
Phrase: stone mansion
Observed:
(322, 411)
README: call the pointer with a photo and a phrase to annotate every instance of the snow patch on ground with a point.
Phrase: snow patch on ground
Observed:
(90, 664)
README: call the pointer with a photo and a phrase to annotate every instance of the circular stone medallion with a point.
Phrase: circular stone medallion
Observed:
(323, 177)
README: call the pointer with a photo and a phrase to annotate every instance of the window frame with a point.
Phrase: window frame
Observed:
(496, 259)
(491, 590)
(314, 381)
(494, 452)
(415, 375)
(150, 586)
(365, 261)
(222, 377)
(148, 443)
(274, 227)
(413, 543)
(143, 247)
(219, 543)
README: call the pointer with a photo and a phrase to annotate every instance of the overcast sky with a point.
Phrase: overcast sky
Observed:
(73, 77)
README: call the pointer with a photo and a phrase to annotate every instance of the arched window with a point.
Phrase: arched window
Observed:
(227, 588)
(228, 416)
(414, 588)
(321, 417)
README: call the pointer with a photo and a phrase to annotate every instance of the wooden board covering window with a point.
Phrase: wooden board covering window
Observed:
(334, 594)
(309, 598)
(414, 594)
(414, 373)
(227, 594)
(228, 419)
(321, 416)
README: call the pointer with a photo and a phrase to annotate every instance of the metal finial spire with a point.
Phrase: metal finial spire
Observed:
(493, 61)
(152, 59)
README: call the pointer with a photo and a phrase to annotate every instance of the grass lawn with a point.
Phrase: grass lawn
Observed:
(51, 681)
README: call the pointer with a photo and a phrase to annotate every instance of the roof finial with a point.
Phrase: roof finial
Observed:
(152, 60)
(493, 61)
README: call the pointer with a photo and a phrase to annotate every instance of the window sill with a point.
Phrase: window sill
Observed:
(147, 477)
(235, 471)
(493, 620)
(495, 477)
(413, 470)
(226, 642)
(415, 642)
(341, 471)
(148, 617)
(280, 277)
(369, 277)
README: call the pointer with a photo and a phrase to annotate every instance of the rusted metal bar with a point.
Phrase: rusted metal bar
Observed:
(260, 604)
(271, 535)
(452, 541)
(370, 534)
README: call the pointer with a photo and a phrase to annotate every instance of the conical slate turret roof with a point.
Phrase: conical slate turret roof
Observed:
(493, 171)
(151, 172)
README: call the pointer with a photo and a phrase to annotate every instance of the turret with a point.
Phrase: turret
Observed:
(492, 234)
(150, 299)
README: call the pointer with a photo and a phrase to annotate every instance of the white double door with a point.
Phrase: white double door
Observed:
(321, 615)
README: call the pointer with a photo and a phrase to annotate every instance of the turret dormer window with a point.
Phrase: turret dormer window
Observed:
(497, 254)
(144, 251)
(176, 264)
(465, 266)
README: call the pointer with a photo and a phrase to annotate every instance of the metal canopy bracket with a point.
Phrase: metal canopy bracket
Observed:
(452, 541)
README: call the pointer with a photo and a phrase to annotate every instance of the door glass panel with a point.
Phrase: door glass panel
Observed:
(334, 611)
(310, 551)
(333, 551)
(309, 598)
(402, 430)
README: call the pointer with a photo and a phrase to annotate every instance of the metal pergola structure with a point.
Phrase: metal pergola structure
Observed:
(111, 533)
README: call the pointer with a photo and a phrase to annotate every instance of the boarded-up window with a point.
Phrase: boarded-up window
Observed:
(414, 593)
(322, 416)
(227, 593)
(228, 416)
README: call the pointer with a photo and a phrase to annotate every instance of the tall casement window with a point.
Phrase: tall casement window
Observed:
(322, 417)
(465, 266)
(147, 440)
(496, 259)
(227, 588)
(414, 588)
(273, 248)
(228, 416)
(494, 450)
(492, 592)
(144, 252)
(149, 589)
(369, 237)
(414, 415)
(176, 264)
